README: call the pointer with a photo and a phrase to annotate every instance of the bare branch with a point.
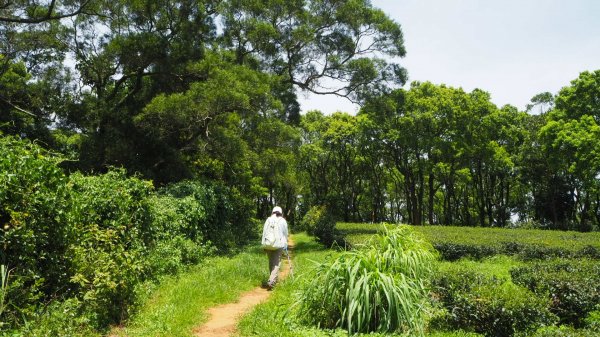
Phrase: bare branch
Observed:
(16, 107)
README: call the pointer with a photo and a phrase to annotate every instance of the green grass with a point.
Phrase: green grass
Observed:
(179, 304)
(277, 316)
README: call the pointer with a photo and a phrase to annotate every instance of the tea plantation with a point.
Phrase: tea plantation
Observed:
(508, 282)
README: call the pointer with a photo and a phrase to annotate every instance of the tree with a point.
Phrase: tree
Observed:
(582, 97)
(570, 144)
(544, 100)
(321, 46)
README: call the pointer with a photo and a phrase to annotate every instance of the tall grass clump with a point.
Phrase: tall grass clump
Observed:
(381, 286)
(3, 282)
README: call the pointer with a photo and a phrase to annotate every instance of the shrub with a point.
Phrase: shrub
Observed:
(34, 236)
(489, 305)
(82, 244)
(169, 256)
(110, 214)
(381, 287)
(573, 286)
(592, 321)
(311, 218)
(454, 243)
(58, 318)
(563, 331)
(224, 216)
(455, 251)
(320, 223)
(176, 234)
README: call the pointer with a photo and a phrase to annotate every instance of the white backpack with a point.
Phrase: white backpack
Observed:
(271, 239)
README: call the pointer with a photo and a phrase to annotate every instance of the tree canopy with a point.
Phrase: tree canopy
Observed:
(208, 90)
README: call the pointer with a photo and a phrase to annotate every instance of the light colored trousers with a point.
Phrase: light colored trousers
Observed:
(274, 264)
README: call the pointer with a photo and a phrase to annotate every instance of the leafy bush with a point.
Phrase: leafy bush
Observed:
(454, 242)
(110, 215)
(82, 244)
(222, 215)
(592, 321)
(34, 235)
(170, 256)
(573, 286)
(563, 331)
(381, 287)
(56, 319)
(455, 251)
(489, 305)
(319, 222)
(311, 218)
(176, 234)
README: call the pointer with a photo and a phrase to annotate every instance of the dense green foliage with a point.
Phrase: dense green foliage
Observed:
(83, 244)
(433, 154)
(380, 288)
(208, 89)
(489, 305)
(35, 236)
(505, 282)
(454, 243)
(572, 286)
(188, 88)
(139, 137)
(319, 222)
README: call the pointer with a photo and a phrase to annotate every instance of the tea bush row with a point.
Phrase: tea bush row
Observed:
(455, 243)
(90, 240)
(486, 304)
(571, 286)
(542, 298)
(455, 251)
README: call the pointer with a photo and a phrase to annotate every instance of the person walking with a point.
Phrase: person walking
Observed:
(274, 241)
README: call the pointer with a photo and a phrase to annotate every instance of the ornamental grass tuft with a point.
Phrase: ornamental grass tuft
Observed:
(381, 286)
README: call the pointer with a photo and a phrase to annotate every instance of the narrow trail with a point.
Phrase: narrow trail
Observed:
(224, 318)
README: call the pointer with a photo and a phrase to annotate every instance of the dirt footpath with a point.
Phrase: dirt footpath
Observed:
(223, 318)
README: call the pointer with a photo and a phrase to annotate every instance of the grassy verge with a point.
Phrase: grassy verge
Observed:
(180, 303)
(277, 317)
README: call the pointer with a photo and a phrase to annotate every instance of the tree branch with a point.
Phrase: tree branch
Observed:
(16, 107)
(46, 17)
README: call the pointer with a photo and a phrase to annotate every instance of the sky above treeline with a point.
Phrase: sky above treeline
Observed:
(513, 49)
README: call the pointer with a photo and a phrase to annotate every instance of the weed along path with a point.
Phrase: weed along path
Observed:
(223, 319)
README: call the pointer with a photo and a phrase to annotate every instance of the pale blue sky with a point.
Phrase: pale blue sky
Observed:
(512, 49)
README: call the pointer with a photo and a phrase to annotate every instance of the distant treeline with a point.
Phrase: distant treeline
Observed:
(438, 155)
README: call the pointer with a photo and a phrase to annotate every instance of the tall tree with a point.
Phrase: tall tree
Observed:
(570, 143)
(320, 46)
